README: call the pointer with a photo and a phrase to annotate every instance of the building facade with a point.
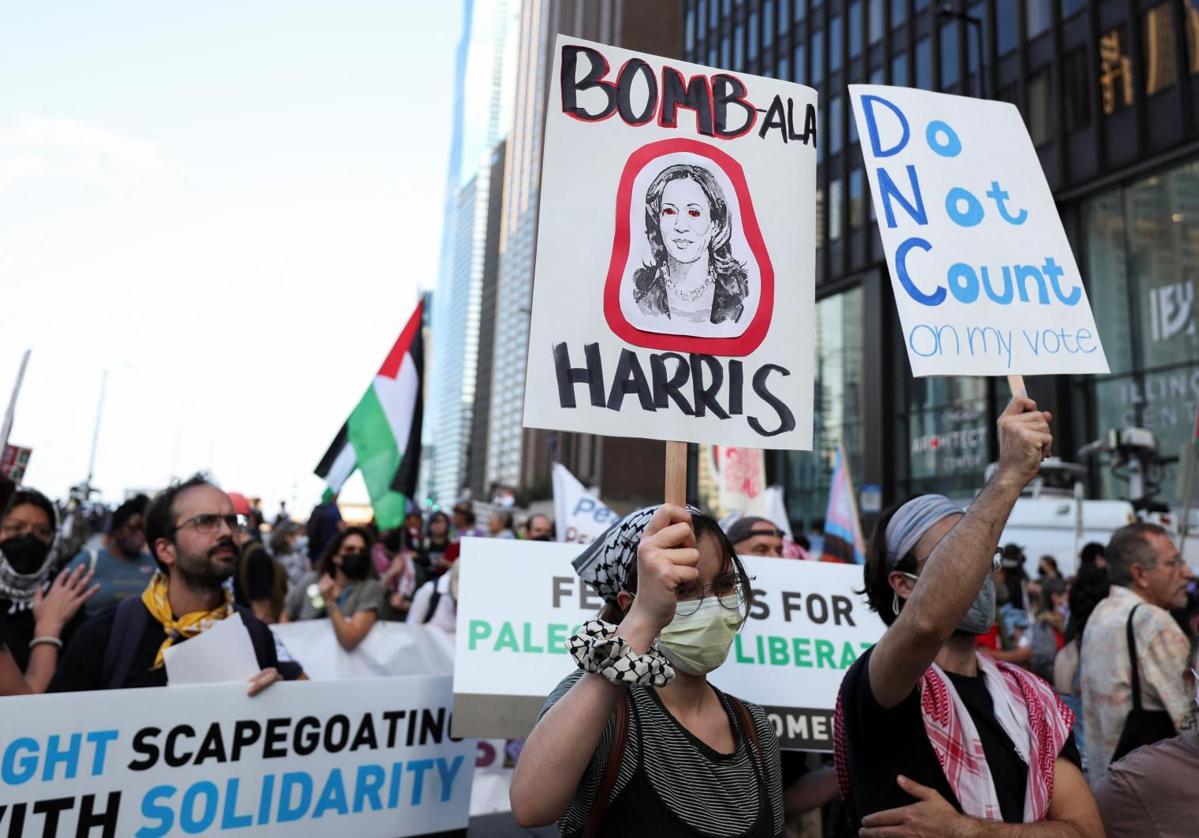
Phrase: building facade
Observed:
(1108, 89)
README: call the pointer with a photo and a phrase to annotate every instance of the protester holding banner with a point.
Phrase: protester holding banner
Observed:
(931, 736)
(191, 529)
(33, 618)
(353, 597)
(637, 742)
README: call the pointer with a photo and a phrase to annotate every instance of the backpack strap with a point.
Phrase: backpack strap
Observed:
(746, 723)
(127, 629)
(433, 601)
(1135, 672)
(260, 634)
(603, 792)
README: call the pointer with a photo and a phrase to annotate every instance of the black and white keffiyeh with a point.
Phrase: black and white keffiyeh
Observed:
(605, 563)
(598, 649)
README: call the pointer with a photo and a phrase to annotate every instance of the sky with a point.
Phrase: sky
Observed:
(231, 208)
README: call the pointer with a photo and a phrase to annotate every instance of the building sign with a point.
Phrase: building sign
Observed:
(674, 294)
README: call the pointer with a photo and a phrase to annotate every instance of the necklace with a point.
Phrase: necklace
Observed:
(689, 296)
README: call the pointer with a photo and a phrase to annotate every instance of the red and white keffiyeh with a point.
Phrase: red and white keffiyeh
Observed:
(1028, 710)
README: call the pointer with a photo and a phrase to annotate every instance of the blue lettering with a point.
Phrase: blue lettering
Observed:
(54, 756)
(369, 782)
(1080, 336)
(932, 333)
(1008, 292)
(888, 190)
(100, 738)
(448, 773)
(1026, 272)
(872, 126)
(1000, 201)
(901, 268)
(333, 796)
(264, 803)
(293, 780)
(1054, 271)
(969, 217)
(229, 817)
(152, 809)
(191, 823)
(418, 767)
(9, 771)
(393, 792)
(963, 282)
(950, 147)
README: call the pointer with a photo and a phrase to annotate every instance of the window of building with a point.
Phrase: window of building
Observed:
(1038, 17)
(713, 57)
(1076, 94)
(834, 43)
(690, 28)
(834, 125)
(899, 12)
(973, 31)
(1192, 28)
(855, 28)
(924, 64)
(1072, 7)
(817, 71)
(899, 70)
(726, 6)
(798, 9)
(739, 46)
(876, 77)
(949, 54)
(943, 433)
(1006, 23)
(857, 203)
(726, 51)
(819, 221)
(753, 23)
(801, 69)
(874, 21)
(784, 71)
(921, 5)
(834, 209)
(1158, 48)
(767, 22)
(1115, 71)
(1040, 107)
(713, 13)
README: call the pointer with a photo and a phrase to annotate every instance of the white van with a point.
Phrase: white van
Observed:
(1051, 526)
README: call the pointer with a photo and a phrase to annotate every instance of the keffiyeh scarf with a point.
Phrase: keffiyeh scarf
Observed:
(605, 563)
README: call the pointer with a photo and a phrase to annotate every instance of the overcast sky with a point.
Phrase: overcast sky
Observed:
(229, 205)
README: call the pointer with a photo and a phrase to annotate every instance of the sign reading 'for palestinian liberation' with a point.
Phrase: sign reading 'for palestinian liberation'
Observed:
(984, 278)
(674, 294)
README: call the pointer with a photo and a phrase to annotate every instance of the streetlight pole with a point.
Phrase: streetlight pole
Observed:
(947, 10)
(91, 462)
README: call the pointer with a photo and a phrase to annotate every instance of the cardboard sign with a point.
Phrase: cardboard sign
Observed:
(806, 627)
(674, 294)
(369, 758)
(984, 278)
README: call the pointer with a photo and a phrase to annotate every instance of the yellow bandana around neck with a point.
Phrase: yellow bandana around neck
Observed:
(154, 597)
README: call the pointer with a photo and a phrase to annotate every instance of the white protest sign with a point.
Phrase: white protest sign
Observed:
(579, 516)
(221, 655)
(674, 295)
(369, 758)
(806, 627)
(389, 649)
(984, 278)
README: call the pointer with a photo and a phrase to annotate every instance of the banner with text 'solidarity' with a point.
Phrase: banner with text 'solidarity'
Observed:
(674, 292)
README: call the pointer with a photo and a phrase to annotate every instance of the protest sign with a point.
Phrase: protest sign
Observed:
(373, 757)
(674, 294)
(388, 649)
(984, 278)
(579, 516)
(806, 627)
(14, 462)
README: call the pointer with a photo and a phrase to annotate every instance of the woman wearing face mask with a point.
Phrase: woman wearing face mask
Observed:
(34, 617)
(353, 596)
(637, 742)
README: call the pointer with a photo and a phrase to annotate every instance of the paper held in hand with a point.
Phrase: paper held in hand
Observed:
(984, 278)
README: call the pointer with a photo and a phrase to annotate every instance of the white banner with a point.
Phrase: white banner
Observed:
(984, 278)
(579, 516)
(675, 293)
(369, 758)
(389, 649)
(806, 627)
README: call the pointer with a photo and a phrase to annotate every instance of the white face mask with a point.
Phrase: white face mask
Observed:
(696, 642)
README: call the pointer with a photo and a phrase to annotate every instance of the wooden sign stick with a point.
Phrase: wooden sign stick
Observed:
(1016, 383)
(676, 473)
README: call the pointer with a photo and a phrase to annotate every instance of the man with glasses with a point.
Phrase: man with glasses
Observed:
(122, 566)
(1147, 576)
(191, 529)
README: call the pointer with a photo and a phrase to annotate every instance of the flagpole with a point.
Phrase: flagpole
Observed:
(9, 414)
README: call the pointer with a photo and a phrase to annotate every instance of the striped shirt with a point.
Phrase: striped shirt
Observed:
(710, 793)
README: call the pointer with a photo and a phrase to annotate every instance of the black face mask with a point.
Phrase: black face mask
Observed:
(355, 565)
(26, 553)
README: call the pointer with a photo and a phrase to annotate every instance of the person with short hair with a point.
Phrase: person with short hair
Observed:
(539, 528)
(121, 566)
(930, 736)
(464, 522)
(191, 531)
(754, 536)
(1148, 578)
(500, 525)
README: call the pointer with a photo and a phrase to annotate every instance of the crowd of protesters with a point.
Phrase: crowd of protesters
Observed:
(993, 695)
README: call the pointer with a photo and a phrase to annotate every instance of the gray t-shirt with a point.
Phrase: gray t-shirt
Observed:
(366, 595)
(117, 577)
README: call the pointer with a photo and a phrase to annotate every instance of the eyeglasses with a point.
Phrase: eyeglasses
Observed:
(208, 522)
(19, 528)
(996, 564)
(691, 597)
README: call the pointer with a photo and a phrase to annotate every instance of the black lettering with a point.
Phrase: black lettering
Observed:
(563, 587)
(592, 375)
(337, 733)
(90, 819)
(143, 743)
(792, 602)
(817, 609)
(729, 90)
(758, 609)
(786, 417)
(432, 727)
(705, 394)
(629, 378)
(170, 754)
(273, 746)
(843, 608)
(809, 125)
(391, 717)
(696, 95)
(302, 744)
(774, 120)
(670, 388)
(805, 136)
(16, 824)
(572, 85)
(245, 733)
(736, 386)
(624, 92)
(365, 737)
(52, 808)
(213, 746)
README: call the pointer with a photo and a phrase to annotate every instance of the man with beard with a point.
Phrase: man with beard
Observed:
(122, 567)
(930, 737)
(191, 531)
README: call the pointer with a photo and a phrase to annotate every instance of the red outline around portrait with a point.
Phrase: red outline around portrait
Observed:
(756, 331)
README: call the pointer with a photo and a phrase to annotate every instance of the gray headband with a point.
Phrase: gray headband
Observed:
(912, 520)
(604, 564)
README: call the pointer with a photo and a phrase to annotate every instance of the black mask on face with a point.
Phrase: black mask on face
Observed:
(355, 565)
(26, 553)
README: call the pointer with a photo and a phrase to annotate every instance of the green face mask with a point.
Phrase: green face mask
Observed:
(698, 642)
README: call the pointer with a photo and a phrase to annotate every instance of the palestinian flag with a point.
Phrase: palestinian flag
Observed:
(382, 435)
